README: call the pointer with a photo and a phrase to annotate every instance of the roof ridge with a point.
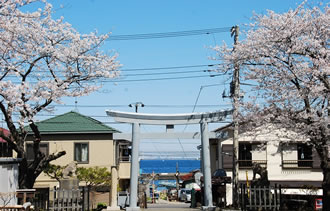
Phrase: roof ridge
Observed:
(94, 120)
(73, 121)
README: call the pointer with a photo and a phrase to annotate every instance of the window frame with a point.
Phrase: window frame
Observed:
(75, 153)
(40, 146)
(299, 163)
(246, 164)
(5, 150)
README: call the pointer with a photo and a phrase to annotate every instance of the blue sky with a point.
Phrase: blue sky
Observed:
(153, 16)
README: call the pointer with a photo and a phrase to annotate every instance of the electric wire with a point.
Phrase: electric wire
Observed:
(160, 79)
(169, 34)
(196, 101)
(170, 67)
(118, 80)
(150, 106)
(167, 73)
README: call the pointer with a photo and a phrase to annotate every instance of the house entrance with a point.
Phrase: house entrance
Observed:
(137, 119)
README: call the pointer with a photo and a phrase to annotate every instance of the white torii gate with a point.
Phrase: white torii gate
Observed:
(169, 119)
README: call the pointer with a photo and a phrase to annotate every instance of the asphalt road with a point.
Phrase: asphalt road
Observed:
(163, 205)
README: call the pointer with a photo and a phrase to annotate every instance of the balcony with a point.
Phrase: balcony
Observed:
(247, 164)
(297, 164)
(124, 158)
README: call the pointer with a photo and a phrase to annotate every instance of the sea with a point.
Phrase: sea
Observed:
(167, 166)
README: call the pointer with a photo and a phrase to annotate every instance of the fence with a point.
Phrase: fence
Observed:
(60, 199)
(260, 198)
(12, 208)
(66, 200)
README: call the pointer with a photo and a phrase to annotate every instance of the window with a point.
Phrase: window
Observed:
(245, 154)
(249, 153)
(5, 150)
(81, 152)
(227, 156)
(124, 153)
(305, 155)
(297, 156)
(29, 150)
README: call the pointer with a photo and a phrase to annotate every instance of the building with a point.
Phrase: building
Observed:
(86, 141)
(290, 161)
(8, 173)
(5, 149)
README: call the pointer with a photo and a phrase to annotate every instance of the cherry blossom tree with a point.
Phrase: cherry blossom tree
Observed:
(286, 57)
(42, 60)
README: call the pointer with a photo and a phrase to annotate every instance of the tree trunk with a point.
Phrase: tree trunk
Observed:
(29, 173)
(26, 176)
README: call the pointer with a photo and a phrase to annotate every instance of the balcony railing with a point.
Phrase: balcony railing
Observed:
(124, 158)
(248, 163)
(297, 164)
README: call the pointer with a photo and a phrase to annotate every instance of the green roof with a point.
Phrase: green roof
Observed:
(72, 122)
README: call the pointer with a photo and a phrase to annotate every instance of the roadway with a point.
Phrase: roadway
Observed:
(163, 205)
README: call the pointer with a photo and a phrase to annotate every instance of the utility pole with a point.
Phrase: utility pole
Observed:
(177, 181)
(234, 32)
(136, 105)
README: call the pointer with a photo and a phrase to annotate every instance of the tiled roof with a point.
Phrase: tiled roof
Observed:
(72, 122)
(5, 132)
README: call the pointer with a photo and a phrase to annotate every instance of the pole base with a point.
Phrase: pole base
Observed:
(208, 208)
(111, 208)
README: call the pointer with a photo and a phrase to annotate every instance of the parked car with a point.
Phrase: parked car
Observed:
(219, 173)
(172, 194)
(219, 177)
(188, 196)
(185, 195)
(182, 192)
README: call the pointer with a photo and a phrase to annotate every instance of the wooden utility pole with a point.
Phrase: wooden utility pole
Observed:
(234, 32)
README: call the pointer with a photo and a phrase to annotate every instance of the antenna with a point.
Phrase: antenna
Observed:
(76, 105)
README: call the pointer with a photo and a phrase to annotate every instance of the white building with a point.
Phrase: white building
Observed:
(290, 162)
(9, 181)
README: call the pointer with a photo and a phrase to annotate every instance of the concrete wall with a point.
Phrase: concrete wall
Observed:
(9, 181)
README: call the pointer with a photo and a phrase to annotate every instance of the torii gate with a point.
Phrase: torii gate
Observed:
(136, 119)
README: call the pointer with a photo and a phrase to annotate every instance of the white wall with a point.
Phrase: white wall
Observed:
(9, 181)
(273, 153)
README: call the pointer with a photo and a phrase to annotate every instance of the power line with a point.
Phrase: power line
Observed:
(170, 67)
(115, 80)
(167, 73)
(161, 79)
(104, 123)
(169, 34)
(150, 68)
(151, 106)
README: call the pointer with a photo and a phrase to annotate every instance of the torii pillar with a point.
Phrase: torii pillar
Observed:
(136, 119)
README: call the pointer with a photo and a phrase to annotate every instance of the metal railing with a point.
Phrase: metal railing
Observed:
(248, 163)
(297, 163)
(12, 208)
(124, 158)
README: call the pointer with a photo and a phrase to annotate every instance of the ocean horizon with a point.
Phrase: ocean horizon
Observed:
(168, 165)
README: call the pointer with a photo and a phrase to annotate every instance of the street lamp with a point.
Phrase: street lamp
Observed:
(136, 105)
